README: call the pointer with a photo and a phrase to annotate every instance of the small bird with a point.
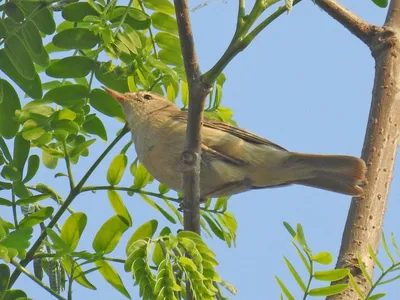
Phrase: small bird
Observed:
(233, 160)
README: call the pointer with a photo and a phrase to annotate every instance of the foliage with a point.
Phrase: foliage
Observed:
(310, 262)
(57, 64)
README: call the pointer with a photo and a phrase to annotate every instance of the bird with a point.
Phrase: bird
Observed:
(233, 160)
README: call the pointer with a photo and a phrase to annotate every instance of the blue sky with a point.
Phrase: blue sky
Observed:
(304, 83)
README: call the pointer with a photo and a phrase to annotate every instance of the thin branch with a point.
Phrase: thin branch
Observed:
(393, 15)
(240, 41)
(357, 26)
(14, 208)
(150, 31)
(72, 195)
(126, 189)
(68, 166)
(187, 42)
(35, 279)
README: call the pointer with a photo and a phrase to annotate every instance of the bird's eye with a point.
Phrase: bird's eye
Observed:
(147, 97)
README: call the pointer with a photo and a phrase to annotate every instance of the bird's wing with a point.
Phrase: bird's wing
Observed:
(227, 128)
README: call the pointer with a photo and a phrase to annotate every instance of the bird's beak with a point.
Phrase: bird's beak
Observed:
(116, 95)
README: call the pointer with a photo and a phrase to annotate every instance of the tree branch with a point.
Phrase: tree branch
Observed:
(357, 26)
(190, 158)
(365, 218)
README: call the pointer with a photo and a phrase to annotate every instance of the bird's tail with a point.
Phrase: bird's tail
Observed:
(336, 173)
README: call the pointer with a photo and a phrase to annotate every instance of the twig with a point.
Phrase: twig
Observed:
(20, 268)
(120, 188)
(14, 207)
(68, 166)
(357, 26)
(150, 31)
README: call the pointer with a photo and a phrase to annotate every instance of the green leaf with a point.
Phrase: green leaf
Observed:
(21, 152)
(168, 41)
(331, 275)
(67, 95)
(112, 277)
(374, 258)
(19, 57)
(34, 44)
(214, 227)
(284, 289)
(385, 247)
(20, 190)
(5, 202)
(37, 217)
(71, 67)
(300, 237)
(164, 22)
(15, 295)
(109, 234)
(355, 286)
(159, 208)
(142, 177)
(72, 229)
(81, 147)
(377, 296)
(295, 275)
(328, 290)
(117, 169)
(4, 148)
(290, 229)
(4, 279)
(18, 239)
(104, 103)
(185, 93)
(163, 6)
(10, 173)
(42, 17)
(323, 258)
(170, 58)
(381, 3)
(14, 11)
(79, 276)
(32, 88)
(32, 199)
(118, 206)
(49, 160)
(94, 125)
(8, 123)
(76, 12)
(60, 246)
(112, 78)
(75, 38)
(158, 254)
(145, 231)
(33, 166)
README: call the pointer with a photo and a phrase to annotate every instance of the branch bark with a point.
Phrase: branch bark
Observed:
(191, 156)
(365, 218)
(357, 26)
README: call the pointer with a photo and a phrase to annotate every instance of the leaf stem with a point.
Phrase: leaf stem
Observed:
(120, 188)
(123, 18)
(14, 207)
(68, 165)
(150, 31)
(311, 276)
(35, 279)
(377, 282)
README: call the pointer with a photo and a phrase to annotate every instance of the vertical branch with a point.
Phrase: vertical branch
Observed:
(190, 158)
(365, 218)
